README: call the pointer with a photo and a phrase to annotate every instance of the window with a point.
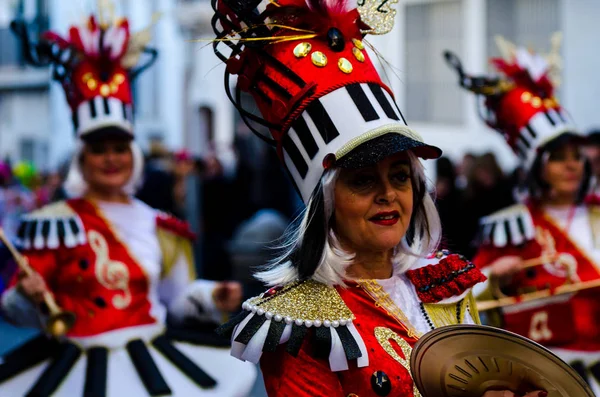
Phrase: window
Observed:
(432, 94)
(35, 14)
(528, 23)
(34, 151)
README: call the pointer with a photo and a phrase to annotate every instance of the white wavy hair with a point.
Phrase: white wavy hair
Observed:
(331, 270)
(75, 185)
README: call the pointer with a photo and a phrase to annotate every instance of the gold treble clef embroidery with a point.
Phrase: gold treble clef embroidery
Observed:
(111, 274)
(384, 335)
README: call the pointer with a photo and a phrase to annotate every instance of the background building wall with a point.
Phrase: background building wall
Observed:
(182, 100)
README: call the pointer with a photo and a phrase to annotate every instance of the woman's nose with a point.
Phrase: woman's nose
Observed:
(386, 194)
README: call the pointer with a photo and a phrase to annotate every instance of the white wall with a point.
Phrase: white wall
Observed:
(581, 79)
(581, 52)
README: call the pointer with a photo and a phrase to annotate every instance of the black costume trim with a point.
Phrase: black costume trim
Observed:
(194, 336)
(27, 356)
(185, 365)
(322, 342)
(296, 339)
(350, 346)
(274, 336)
(227, 328)
(64, 359)
(147, 370)
(250, 329)
(96, 372)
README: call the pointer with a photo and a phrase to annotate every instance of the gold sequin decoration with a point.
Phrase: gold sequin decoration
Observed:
(309, 300)
(92, 84)
(550, 103)
(319, 59)
(104, 90)
(358, 44)
(536, 102)
(379, 15)
(526, 96)
(114, 88)
(383, 336)
(383, 300)
(360, 57)
(302, 50)
(345, 65)
(119, 78)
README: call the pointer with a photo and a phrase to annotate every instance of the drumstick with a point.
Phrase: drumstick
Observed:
(59, 321)
(563, 289)
(542, 260)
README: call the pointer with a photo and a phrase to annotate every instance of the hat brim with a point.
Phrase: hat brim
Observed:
(377, 149)
(107, 133)
(564, 138)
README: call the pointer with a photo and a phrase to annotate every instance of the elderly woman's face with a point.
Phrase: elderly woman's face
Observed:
(564, 170)
(373, 205)
(107, 164)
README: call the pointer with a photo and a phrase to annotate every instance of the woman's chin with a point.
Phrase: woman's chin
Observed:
(110, 184)
(384, 244)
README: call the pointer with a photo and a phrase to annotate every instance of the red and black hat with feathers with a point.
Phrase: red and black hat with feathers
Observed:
(95, 63)
(316, 89)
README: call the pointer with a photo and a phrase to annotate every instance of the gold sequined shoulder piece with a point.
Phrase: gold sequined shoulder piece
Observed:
(305, 303)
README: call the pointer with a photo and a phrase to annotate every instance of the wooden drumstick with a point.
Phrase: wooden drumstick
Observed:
(60, 321)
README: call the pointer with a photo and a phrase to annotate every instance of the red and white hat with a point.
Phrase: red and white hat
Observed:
(521, 104)
(317, 91)
(95, 65)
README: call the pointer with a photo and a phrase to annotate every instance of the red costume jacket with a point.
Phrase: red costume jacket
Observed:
(90, 271)
(316, 340)
(568, 322)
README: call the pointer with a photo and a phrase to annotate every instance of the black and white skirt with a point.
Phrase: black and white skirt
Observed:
(175, 363)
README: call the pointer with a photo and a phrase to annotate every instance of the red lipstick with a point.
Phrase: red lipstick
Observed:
(389, 218)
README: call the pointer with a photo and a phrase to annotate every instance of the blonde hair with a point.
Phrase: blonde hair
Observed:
(422, 237)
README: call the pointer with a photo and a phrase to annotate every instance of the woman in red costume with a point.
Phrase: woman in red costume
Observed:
(355, 286)
(553, 238)
(118, 265)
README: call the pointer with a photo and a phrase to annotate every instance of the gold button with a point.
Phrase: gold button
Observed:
(526, 96)
(549, 103)
(360, 57)
(114, 88)
(92, 84)
(352, 395)
(358, 44)
(319, 59)
(104, 90)
(119, 78)
(86, 77)
(536, 102)
(302, 50)
(345, 65)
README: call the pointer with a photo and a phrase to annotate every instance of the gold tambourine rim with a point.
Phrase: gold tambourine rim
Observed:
(452, 331)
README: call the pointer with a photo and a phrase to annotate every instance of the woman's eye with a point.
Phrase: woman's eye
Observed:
(97, 148)
(121, 148)
(362, 181)
(401, 177)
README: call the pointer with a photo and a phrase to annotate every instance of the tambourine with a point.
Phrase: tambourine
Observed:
(468, 360)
